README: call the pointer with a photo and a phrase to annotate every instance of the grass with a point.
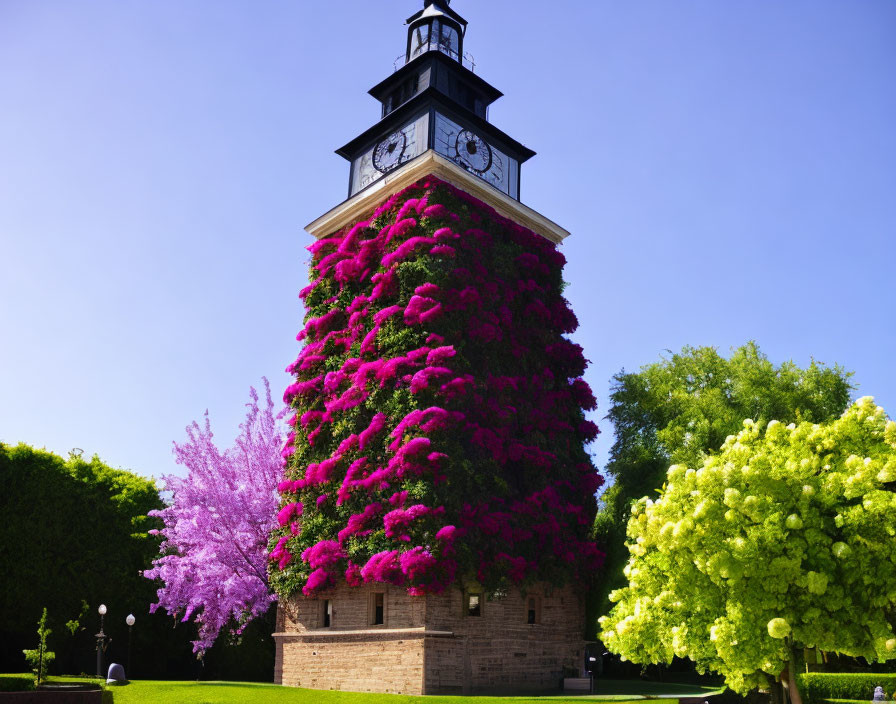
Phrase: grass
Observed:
(16, 682)
(181, 692)
(16, 678)
(638, 689)
(144, 692)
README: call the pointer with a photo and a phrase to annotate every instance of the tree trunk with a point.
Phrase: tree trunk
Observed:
(792, 686)
(774, 689)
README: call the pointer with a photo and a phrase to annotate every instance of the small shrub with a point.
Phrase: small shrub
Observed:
(35, 660)
(40, 659)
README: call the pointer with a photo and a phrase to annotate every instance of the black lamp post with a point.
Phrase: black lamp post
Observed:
(130, 621)
(100, 642)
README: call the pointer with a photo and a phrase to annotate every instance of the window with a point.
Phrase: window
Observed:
(463, 94)
(448, 42)
(473, 605)
(326, 613)
(404, 92)
(533, 609)
(377, 609)
(419, 41)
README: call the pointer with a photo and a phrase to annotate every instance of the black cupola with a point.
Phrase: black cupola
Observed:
(436, 27)
(435, 102)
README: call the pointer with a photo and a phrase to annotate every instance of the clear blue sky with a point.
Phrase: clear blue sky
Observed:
(727, 169)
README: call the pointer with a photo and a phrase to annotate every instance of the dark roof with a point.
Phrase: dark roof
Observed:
(430, 97)
(381, 89)
(435, 8)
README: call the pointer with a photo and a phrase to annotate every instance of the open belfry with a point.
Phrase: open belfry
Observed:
(437, 497)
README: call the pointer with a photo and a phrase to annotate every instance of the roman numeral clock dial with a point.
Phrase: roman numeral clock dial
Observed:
(389, 152)
(468, 149)
(473, 152)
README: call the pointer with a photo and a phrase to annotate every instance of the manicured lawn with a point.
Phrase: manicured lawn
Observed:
(15, 681)
(149, 692)
(180, 692)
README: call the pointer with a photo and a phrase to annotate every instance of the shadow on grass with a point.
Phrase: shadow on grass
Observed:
(653, 690)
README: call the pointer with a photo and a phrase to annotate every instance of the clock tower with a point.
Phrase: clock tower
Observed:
(437, 500)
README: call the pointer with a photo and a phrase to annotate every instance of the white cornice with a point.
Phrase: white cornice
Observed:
(312, 633)
(430, 163)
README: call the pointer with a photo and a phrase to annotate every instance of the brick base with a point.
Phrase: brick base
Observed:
(428, 645)
(356, 662)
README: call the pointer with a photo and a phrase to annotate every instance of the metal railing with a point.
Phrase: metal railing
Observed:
(467, 61)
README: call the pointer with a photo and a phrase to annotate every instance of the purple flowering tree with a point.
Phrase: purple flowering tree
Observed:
(214, 554)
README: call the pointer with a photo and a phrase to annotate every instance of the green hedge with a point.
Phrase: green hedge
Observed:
(16, 683)
(816, 687)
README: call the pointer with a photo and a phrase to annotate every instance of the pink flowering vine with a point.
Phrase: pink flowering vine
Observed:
(440, 421)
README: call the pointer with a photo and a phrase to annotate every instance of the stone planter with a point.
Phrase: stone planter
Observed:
(75, 693)
(577, 684)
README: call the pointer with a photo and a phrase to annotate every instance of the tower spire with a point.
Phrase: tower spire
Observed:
(435, 103)
(436, 28)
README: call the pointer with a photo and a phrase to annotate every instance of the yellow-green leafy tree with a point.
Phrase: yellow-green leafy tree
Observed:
(681, 408)
(785, 539)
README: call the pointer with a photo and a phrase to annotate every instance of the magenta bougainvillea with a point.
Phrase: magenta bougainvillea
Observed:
(439, 429)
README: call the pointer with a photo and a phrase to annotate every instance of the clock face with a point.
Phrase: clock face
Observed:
(473, 152)
(388, 153)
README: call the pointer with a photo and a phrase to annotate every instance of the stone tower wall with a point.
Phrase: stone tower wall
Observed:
(351, 654)
(429, 645)
(499, 650)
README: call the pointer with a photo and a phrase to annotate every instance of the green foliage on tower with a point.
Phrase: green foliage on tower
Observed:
(680, 409)
(782, 540)
(439, 429)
